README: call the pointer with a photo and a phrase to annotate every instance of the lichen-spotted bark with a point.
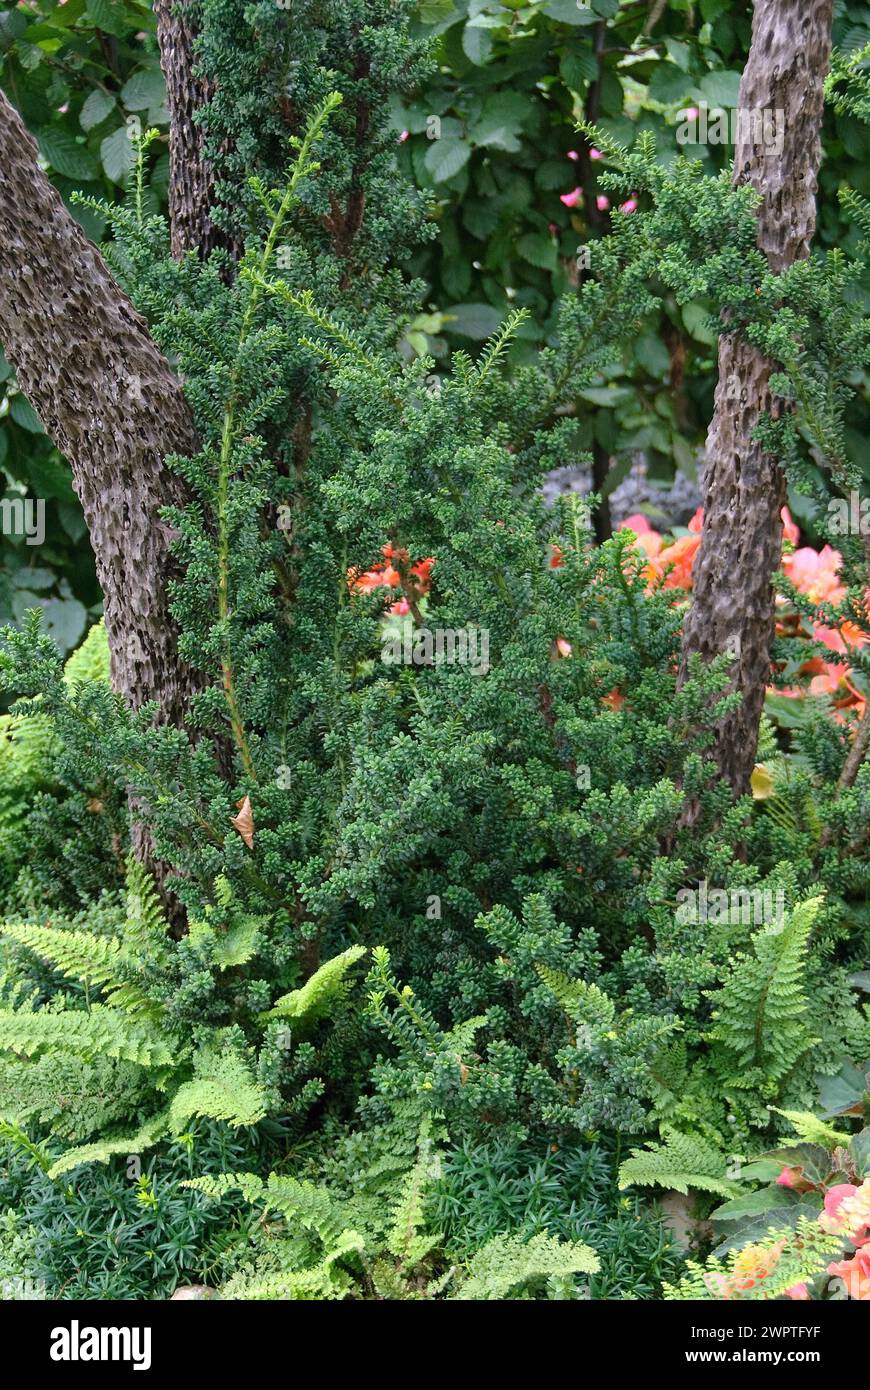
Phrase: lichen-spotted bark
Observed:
(733, 602)
(109, 401)
(191, 183)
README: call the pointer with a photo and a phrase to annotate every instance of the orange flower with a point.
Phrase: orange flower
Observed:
(556, 558)
(676, 562)
(790, 531)
(751, 1267)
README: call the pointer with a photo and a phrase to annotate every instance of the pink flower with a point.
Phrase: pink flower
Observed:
(629, 206)
(602, 203)
(832, 1219)
(401, 608)
(798, 1291)
(636, 523)
(790, 530)
(816, 573)
(595, 154)
(572, 154)
(404, 135)
(697, 522)
(691, 113)
(572, 200)
(789, 1177)
(563, 647)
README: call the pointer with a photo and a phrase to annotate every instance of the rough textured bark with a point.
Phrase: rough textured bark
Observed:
(111, 404)
(733, 604)
(191, 184)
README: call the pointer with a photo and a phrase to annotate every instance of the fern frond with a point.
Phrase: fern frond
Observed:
(103, 1149)
(760, 1007)
(582, 1002)
(99, 1032)
(146, 932)
(96, 961)
(508, 1262)
(222, 1088)
(681, 1162)
(320, 992)
(811, 1129)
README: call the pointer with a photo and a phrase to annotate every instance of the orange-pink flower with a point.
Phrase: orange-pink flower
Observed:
(855, 1274)
(815, 573)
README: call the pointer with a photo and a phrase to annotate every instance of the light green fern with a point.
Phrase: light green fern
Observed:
(510, 1262)
(97, 961)
(318, 994)
(100, 1031)
(582, 1002)
(102, 1150)
(681, 1162)
(222, 1088)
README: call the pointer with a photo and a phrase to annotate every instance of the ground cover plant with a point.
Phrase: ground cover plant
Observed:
(412, 888)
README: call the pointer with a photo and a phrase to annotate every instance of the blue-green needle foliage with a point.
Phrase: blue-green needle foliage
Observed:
(503, 835)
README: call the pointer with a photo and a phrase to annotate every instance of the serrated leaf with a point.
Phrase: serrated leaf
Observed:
(62, 151)
(538, 249)
(476, 44)
(95, 109)
(144, 89)
(570, 12)
(117, 154)
(445, 158)
(23, 414)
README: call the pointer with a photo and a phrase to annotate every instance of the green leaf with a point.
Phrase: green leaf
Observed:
(500, 121)
(755, 1204)
(577, 67)
(118, 155)
(145, 88)
(859, 1148)
(721, 88)
(569, 12)
(445, 158)
(110, 16)
(669, 84)
(23, 414)
(476, 44)
(477, 321)
(844, 1091)
(62, 151)
(538, 249)
(95, 109)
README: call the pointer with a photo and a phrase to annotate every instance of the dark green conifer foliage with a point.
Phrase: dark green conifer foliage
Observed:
(495, 835)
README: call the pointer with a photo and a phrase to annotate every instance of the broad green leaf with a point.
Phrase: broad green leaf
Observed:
(95, 109)
(569, 12)
(478, 321)
(23, 414)
(117, 154)
(538, 249)
(476, 44)
(445, 158)
(144, 89)
(721, 88)
(63, 152)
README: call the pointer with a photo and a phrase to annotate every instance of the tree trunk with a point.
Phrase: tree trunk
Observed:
(733, 604)
(111, 404)
(191, 184)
